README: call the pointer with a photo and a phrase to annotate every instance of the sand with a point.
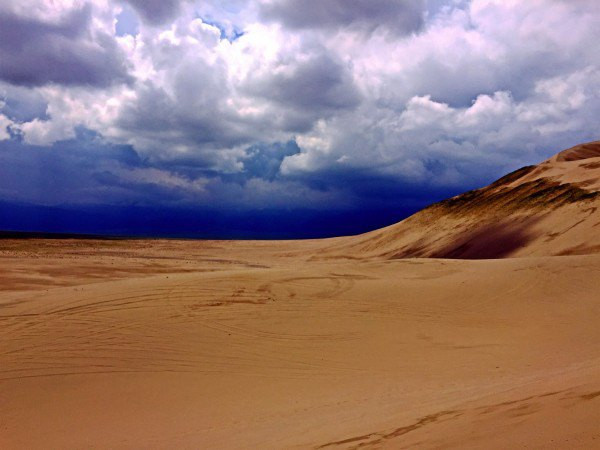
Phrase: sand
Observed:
(355, 342)
(171, 344)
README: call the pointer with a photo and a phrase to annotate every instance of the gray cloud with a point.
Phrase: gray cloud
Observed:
(34, 53)
(319, 83)
(22, 104)
(264, 160)
(192, 114)
(305, 90)
(402, 17)
(156, 12)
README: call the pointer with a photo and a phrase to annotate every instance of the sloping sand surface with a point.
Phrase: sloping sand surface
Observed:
(340, 343)
(224, 352)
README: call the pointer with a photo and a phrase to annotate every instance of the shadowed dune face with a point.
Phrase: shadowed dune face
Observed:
(548, 209)
(492, 241)
(489, 242)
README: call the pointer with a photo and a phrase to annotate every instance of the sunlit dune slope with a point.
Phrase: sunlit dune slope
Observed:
(548, 209)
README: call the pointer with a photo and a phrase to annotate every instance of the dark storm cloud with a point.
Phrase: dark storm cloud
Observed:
(82, 187)
(87, 170)
(34, 53)
(402, 17)
(371, 188)
(156, 12)
(66, 172)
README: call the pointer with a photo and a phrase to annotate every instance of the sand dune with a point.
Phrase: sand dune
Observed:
(543, 210)
(318, 344)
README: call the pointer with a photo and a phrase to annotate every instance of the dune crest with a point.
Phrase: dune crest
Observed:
(543, 210)
(579, 152)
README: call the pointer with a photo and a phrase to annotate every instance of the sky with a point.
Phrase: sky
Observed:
(280, 118)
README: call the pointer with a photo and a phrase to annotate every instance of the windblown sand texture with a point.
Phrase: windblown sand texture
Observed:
(473, 324)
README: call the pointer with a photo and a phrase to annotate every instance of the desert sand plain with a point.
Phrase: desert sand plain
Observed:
(446, 330)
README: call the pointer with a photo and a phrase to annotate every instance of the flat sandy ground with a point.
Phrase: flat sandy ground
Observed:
(174, 344)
